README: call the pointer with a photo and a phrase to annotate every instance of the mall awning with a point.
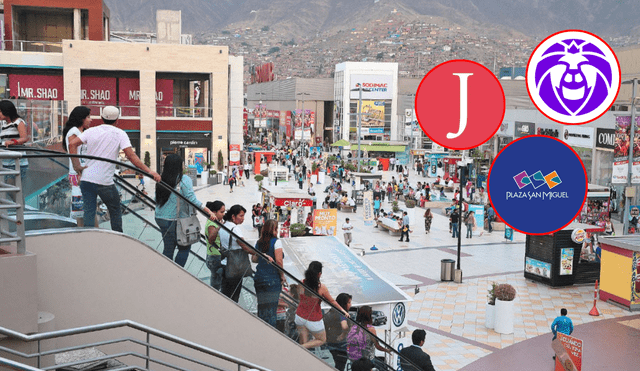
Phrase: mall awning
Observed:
(378, 148)
(341, 143)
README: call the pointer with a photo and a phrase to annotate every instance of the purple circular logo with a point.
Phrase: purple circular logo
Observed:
(573, 77)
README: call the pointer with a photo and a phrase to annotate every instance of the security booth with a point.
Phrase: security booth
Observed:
(291, 202)
(450, 165)
(557, 259)
(620, 272)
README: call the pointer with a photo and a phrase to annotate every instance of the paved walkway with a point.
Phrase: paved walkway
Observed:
(454, 314)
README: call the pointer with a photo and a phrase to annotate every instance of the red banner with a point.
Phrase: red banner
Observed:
(39, 87)
(234, 154)
(96, 92)
(293, 202)
(129, 95)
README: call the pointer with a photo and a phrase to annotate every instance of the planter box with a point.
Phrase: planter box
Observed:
(490, 315)
(504, 317)
(212, 180)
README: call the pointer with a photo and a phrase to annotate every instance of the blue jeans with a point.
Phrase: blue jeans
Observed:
(168, 229)
(111, 198)
(268, 293)
(214, 263)
(455, 230)
(469, 230)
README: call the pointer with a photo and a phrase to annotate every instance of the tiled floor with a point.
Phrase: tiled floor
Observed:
(454, 314)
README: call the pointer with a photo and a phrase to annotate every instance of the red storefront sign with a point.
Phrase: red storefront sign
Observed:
(234, 154)
(96, 92)
(129, 95)
(39, 87)
(293, 202)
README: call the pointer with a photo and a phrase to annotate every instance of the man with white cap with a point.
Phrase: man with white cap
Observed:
(96, 179)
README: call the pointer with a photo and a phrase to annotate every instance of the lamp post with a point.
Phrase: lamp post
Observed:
(359, 89)
(463, 165)
(301, 124)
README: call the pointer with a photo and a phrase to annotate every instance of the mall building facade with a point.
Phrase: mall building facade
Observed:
(174, 98)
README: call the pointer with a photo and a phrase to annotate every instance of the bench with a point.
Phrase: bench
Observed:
(346, 208)
(446, 189)
(392, 231)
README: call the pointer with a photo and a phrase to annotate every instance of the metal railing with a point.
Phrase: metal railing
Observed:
(32, 46)
(193, 112)
(11, 203)
(148, 332)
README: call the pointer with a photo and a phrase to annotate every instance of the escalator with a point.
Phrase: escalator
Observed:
(138, 209)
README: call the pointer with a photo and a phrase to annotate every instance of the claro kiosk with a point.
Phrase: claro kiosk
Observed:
(556, 260)
(620, 273)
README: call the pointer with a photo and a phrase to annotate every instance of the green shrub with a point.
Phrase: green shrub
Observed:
(297, 229)
(258, 178)
(410, 204)
(394, 206)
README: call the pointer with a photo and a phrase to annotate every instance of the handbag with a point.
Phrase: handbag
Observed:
(188, 228)
(238, 264)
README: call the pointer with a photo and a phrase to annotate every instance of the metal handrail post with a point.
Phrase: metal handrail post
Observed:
(148, 352)
(39, 355)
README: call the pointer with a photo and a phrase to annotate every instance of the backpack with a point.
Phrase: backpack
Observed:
(356, 343)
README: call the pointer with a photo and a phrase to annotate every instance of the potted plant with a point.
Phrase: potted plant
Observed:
(394, 206)
(259, 179)
(505, 294)
(490, 312)
(410, 209)
(297, 229)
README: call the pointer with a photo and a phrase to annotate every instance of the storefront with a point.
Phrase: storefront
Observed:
(193, 148)
(557, 259)
(620, 274)
(596, 209)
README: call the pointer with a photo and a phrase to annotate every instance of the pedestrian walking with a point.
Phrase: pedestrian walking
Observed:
(211, 229)
(454, 219)
(470, 222)
(337, 328)
(300, 180)
(405, 227)
(79, 121)
(247, 168)
(415, 354)
(268, 279)
(232, 182)
(347, 227)
(428, 217)
(561, 324)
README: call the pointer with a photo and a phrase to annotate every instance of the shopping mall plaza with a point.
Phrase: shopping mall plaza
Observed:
(76, 298)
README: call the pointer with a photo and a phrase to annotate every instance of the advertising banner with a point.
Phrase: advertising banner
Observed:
(307, 134)
(620, 171)
(478, 211)
(234, 154)
(524, 128)
(605, 139)
(537, 267)
(342, 271)
(36, 87)
(373, 113)
(566, 262)
(574, 348)
(367, 207)
(96, 92)
(325, 222)
(379, 86)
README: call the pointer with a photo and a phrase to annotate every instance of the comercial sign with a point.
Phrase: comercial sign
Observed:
(97, 91)
(292, 202)
(578, 136)
(524, 128)
(549, 132)
(379, 86)
(325, 222)
(39, 87)
(129, 95)
(234, 154)
(605, 138)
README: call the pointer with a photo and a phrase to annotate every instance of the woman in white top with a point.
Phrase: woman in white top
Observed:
(79, 120)
(13, 133)
(232, 219)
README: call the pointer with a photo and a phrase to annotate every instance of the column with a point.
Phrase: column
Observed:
(148, 116)
(77, 24)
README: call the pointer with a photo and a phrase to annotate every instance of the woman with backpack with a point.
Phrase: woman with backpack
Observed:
(309, 315)
(166, 207)
(362, 344)
(269, 280)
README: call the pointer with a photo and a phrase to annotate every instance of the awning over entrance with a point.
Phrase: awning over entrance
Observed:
(341, 143)
(378, 148)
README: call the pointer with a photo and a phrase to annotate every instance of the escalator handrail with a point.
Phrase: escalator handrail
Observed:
(58, 154)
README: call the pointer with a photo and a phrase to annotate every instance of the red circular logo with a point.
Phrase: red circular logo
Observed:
(460, 104)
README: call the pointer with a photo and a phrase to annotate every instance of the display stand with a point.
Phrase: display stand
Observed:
(620, 277)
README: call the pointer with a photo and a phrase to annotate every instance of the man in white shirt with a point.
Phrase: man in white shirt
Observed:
(347, 227)
(96, 179)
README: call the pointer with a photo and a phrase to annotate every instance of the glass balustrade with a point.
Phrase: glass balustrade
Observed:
(49, 207)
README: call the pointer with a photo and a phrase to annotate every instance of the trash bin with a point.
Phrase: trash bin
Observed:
(447, 266)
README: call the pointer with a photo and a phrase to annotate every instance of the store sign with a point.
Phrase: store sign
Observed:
(36, 87)
(524, 128)
(578, 235)
(325, 222)
(292, 202)
(605, 138)
(578, 136)
(574, 349)
(549, 132)
(185, 143)
(379, 86)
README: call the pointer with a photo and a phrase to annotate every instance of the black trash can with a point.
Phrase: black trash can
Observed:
(447, 267)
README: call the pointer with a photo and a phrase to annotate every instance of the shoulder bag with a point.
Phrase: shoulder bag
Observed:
(238, 264)
(187, 229)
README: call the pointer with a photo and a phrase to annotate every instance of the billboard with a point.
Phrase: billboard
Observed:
(325, 222)
(373, 113)
(234, 154)
(380, 86)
